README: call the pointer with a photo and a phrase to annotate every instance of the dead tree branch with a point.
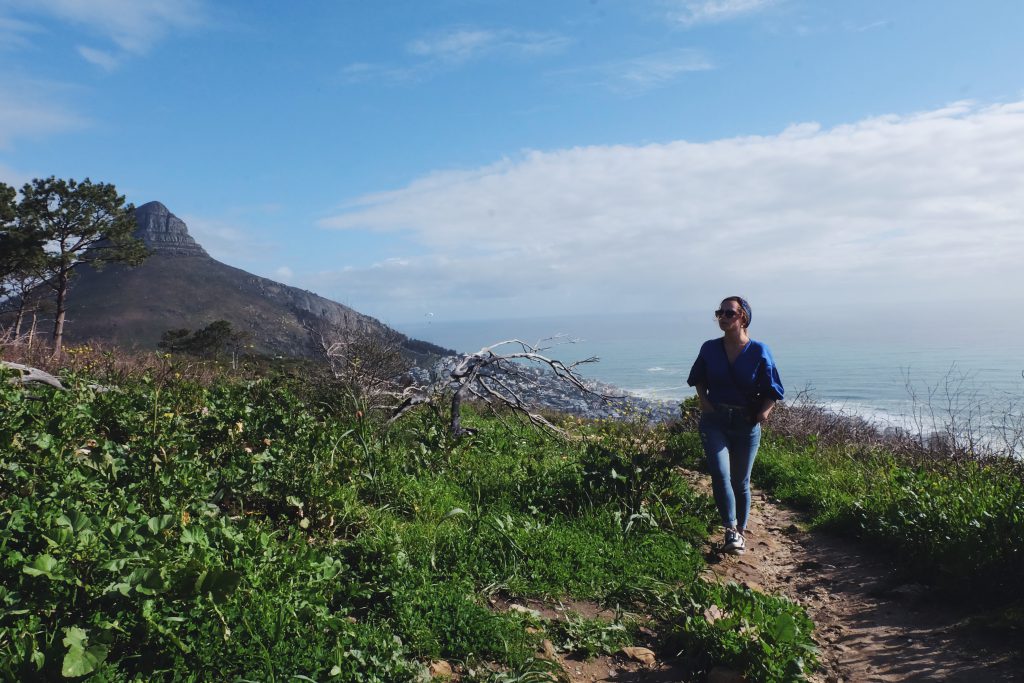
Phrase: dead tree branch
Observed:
(28, 375)
(369, 364)
(498, 376)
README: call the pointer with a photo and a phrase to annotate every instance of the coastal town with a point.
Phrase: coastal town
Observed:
(541, 389)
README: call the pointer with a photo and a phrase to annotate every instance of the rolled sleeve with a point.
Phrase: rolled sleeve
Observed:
(769, 382)
(698, 373)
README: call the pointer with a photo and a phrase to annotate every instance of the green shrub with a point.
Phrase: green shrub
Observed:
(177, 531)
(594, 636)
(959, 524)
(766, 638)
(687, 449)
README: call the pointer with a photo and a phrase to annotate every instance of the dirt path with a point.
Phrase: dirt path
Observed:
(869, 626)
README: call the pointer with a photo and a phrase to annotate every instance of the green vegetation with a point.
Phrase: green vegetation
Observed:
(266, 530)
(959, 524)
(594, 636)
(209, 342)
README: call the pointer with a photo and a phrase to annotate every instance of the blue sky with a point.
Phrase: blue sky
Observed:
(474, 159)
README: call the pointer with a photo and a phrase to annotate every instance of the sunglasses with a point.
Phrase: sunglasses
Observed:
(728, 313)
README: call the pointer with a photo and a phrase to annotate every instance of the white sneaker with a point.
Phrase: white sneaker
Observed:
(735, 544)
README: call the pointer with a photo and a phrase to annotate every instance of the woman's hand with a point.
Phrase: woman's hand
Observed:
(702, 397)
(761, 416)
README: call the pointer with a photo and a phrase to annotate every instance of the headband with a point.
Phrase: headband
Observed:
(746, 309)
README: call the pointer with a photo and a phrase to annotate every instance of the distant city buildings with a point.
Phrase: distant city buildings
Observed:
(543, 391)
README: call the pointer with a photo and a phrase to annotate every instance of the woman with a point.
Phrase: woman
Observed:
(737, 384)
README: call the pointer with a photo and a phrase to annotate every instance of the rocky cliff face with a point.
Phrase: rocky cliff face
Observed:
(165, 233)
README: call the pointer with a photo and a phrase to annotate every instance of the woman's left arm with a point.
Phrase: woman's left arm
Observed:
(767, 405)
(770, 386)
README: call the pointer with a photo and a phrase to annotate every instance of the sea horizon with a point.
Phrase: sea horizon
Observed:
(883, 375)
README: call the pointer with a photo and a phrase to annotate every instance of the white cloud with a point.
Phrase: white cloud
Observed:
(465, 43)
(133, 26)
(31, 110)
(452, 47)
(906, 207)
(284, 273)
(224, 239)
(640, 74)
(693, 12)
(14, 33)
(871, 26)
(100, 58)
(655, 70)
(363, 72)
(458, 45)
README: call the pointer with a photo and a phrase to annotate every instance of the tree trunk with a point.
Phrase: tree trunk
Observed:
(19, 318)
(58, 324)
(456, 424)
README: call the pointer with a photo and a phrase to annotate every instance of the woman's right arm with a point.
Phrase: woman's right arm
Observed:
(702, 396)
(698, 379)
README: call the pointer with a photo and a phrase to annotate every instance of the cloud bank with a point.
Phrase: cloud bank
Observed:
(902, 208)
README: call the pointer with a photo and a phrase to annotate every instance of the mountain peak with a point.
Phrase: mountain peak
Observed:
(165, 233)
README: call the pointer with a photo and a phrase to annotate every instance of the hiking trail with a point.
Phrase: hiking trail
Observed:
(870, 626)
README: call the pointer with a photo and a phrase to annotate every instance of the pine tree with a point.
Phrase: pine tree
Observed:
(74, 224)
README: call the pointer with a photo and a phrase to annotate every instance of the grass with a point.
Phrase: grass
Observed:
(186, 529)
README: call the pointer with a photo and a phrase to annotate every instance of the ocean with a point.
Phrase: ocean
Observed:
(878, 367)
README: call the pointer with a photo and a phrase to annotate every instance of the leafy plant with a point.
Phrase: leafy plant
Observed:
(592, 636)
(172, 530)
(767, 638)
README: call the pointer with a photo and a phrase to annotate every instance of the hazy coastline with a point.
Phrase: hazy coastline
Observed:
(883, 377)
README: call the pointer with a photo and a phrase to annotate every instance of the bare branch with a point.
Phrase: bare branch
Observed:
(370, 365)
(29, 374)
(502, 375)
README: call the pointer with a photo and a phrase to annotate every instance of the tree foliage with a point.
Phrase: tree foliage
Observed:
(8, 207)
(11, 244)
(60, 225)
(22, 263)
(209, 342)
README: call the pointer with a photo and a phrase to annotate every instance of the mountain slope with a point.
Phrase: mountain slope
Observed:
(181, 286)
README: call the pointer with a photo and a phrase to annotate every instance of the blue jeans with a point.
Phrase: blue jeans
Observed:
(730, 440)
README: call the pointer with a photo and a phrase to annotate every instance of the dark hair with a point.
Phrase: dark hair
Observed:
(747, 313)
